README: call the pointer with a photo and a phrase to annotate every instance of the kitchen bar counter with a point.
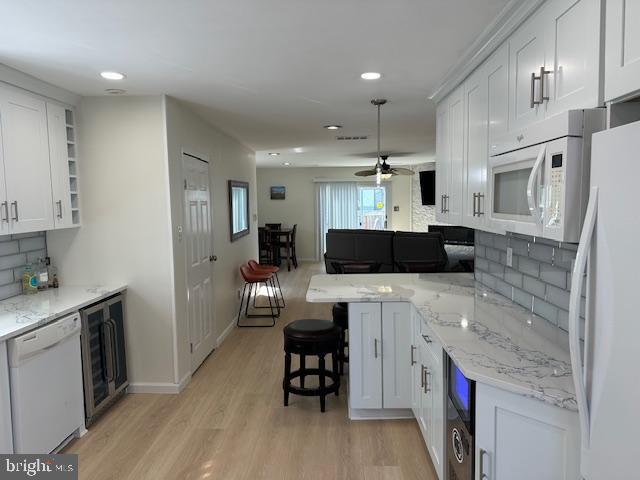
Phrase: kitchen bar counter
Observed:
(26, 312)
(491, 339)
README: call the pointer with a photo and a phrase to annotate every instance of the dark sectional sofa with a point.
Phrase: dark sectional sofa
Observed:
(397, 251)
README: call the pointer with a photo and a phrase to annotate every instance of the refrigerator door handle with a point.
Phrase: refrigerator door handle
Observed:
(532, 199)
(574, 315)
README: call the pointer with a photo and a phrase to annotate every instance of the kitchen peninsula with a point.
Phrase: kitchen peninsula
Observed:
(403, 328)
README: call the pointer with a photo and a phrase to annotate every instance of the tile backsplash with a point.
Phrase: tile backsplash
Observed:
(16, 251)
(539, 278)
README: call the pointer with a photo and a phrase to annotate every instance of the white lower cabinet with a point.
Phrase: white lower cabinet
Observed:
(6, 431)
(524, 438)
(379, 355)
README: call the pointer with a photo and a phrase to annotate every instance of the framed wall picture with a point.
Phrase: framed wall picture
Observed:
(278, 193)
(238, 209)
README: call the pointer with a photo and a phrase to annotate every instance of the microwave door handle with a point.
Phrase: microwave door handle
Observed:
(574, 316)
(533, 178)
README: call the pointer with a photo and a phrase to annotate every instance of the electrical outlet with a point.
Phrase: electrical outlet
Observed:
(509, 257)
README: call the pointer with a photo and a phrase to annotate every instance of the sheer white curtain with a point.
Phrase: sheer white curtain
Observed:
(337, 208)
(239, 213)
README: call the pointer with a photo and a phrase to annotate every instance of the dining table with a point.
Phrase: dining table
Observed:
(281, 237)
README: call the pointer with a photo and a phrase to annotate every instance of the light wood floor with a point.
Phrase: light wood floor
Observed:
(230, 422)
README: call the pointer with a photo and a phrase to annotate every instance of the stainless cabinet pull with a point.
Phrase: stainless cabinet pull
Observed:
(441, 203)
(482, 453)
(14, 207)
(475, 197)
(114, 343)
(427, 388)
(375, 348)
(480, 209)
(59, 203)
(532, 95)
(108, 351)
(5, 217)
(422, 376)
(543, 74)
(427, 338)
(413, 362)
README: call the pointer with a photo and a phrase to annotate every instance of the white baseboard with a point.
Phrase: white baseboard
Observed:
(380, 413)
(225, 333)
(163, 388)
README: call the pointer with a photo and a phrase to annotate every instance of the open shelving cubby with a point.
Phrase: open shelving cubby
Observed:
(73, 165)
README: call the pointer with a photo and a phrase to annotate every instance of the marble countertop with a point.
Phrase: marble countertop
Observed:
(491, 339)
(26, 312)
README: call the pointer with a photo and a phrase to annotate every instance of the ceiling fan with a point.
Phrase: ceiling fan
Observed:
(382, 170)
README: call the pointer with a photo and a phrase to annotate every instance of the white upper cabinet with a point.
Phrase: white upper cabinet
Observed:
(622, 49)
(475, 155)
(442, 159)
(456, 156)
(554, 61)
(58, 157)
(26, 162)
(497, 71)
(572, 54)
(526, 50)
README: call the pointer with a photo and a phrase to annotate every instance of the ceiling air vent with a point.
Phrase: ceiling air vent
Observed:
(356, 137)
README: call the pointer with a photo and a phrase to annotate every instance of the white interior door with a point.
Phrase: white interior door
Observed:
(199, 244)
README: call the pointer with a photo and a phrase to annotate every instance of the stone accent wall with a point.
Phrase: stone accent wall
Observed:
(539, 278)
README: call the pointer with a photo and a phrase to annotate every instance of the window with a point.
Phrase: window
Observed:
(238, 209)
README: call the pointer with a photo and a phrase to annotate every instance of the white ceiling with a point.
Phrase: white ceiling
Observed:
(268, 72)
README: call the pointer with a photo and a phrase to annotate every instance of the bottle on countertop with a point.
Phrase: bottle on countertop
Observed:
(42, 273)
(53, 273)
(29, 280)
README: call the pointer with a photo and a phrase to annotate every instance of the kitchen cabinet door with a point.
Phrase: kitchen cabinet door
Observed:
(475, 154)
(396, 354)
(497, 72)
(6, 430)
(572, 55)
(435, 379)
(58, 158)
(526, 59)
(524, 438)
(365, 355)
(26, 161)
(416, 379)
(426, 403)
(456, 156)
(622, 49)
(442, 159)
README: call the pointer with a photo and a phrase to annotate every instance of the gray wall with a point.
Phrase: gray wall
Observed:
(16, 251)
(539, 279)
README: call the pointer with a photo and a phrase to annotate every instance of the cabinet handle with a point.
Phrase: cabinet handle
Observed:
(115, 353)
(482, 453)
(427, 388)
(14, 207)
(480, 210)
(375, 348)
(543, 74)
(427, 338)
(474, 204)
(532, 95)
(441, 203)
(5, 217)
(413, 362)
(422, 376)
(59, 203)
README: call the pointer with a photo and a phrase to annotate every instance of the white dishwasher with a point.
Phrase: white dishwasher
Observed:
(47, 404)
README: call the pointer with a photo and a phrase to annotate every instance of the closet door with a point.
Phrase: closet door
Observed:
(26, 161)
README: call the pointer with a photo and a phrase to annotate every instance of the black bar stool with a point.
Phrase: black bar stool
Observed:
(311, 337)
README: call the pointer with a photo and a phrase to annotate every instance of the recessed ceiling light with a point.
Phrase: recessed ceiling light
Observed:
(112, 75)
(274, 154)
(115, 91)
(286, 164)
(332, 127)
(298, 150)
(370, 76)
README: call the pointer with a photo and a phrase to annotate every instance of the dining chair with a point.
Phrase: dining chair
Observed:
(265, 246)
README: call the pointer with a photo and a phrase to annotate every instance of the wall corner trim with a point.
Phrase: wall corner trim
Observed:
(225, 333)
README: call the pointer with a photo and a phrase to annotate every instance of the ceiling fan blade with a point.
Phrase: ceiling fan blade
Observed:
(366, 173)
(401, 171)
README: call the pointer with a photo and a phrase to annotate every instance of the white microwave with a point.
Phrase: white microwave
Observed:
(539, 177)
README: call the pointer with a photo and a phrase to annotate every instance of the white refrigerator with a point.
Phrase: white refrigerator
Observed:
(606, 368)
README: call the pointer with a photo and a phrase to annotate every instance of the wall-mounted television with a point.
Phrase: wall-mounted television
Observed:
(428, 187)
